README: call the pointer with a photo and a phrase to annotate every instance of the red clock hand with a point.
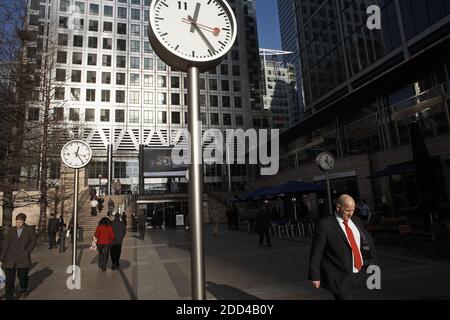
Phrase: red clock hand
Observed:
(215, 31)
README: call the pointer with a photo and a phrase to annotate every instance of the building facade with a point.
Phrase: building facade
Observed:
(373, 99)
(113, 84)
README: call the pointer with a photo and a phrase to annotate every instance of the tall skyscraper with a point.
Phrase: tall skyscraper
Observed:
(124, 96)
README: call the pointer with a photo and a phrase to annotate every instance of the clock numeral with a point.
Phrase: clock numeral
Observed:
(182, 5)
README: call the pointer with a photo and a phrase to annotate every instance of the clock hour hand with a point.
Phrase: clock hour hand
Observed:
(202, 35)
(196, 12)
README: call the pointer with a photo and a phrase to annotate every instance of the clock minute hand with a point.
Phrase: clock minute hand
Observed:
(202, 35)
(196, 12)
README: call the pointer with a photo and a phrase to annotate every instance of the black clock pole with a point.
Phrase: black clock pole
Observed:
(75, 229)
(329, 193)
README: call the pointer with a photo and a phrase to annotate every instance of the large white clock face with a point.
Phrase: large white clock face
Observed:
(325, 161)
(76, 154)
(195, 30)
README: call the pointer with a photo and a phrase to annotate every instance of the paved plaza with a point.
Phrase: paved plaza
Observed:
(237, 268)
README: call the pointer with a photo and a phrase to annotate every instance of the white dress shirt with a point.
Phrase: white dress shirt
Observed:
(356, 235)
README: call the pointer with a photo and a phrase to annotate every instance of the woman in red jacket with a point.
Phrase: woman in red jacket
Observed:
(105, 236)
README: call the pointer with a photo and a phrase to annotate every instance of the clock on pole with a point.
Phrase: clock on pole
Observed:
(193, 36)
(325, 161)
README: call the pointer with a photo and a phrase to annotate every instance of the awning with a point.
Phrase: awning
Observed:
(392, 169)
(295, 186)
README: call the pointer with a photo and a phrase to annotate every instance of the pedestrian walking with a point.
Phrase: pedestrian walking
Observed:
(105, 237)
(124, 219)
(141, 226)
(118, 187)
(262, 226)
(341, 252)
(111, 207)
(116, 246)
(215, 220)
(15, 257)
(100, 201)
(52, 229)
(93, 204)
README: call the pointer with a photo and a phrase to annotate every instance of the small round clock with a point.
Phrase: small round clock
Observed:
(76, 154)
(325, 161)
(188, 34)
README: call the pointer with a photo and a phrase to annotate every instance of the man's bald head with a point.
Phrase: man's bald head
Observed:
(345, 206)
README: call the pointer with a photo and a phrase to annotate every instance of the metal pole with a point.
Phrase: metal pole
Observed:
(110, 170)
(228, 167)
(196, 188)
(75, 222)
(329, 194)
(295, 209)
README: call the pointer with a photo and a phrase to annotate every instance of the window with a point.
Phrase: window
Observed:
(134, 62)
(176, 117)
(93, 9)
(236, 86)
(162, 117)
(121, 44)
(74, 114)
(227, 119)
(106, 96)
(135, 46)
(92, 42)
(92, 59)
(226, 102)
(148, 80)
(64, 5)
(77, 41)
(224, 69)
(214, 119)
(148, 97)
(213, 84)
(78, 24)
(148, 116)
(120, 115)
(120, 79)
(33, 114)
(61, 57)
(238, 102)
(106, 60)
(162, 98)
(135, 30)
(236, 71)
(89, 115)
(134, 97)
(98, 168)
(202, 100)
(148, 63)
(93, 25)
(107, 43)
(90, 94)
(175, 99)
(235, 55)
(161, 65)
(120, 169)
(60, 74)
(106, 77)
(121, 12)
(63, 39)
(202, 84)
(77, 58)
(135, 14)
(76, 76)
(134, 116)
(138, 2)
(225, 85)
(91, 77)
(74, 94)
(214, 101)
(134, 79)
(59, 93)
(121, 61)
(147, 47)
(58, 114)
(175, 82)
(79, 7)
(108, 11)
(104, 115)
(239, 120)
(107, 26)
(203, 117)
(162, 81)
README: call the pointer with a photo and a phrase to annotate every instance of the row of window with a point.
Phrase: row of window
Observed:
(147, 97)
(107, 43)
(94, 9)
(133, 116)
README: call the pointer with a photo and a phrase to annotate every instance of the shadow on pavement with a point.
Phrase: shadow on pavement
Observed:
(225, 292)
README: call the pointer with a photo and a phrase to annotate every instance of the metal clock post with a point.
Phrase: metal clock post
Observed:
(193, 36)
(325, 161)
(76, 154)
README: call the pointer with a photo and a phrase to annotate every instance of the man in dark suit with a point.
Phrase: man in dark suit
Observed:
(16, 255)
(341, 252)
(52, 229)
(263, 225)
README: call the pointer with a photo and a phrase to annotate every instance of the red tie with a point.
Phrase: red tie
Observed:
(355, 250)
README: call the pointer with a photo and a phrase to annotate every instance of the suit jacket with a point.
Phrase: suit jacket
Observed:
(331, 259)
(16, 252)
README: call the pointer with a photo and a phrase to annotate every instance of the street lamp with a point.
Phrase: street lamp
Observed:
(99, 184)
(294, 199)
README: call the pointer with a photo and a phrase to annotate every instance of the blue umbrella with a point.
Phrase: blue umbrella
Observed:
(295, 186)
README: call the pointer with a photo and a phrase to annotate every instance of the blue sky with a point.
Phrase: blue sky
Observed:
(268, 24)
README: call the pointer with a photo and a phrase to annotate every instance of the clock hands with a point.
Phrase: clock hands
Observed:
(196, 12)
(202, 35)
(215, 31)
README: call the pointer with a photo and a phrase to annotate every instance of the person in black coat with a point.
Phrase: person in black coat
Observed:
(52, 229)
(15, 256)
(262, 226)
(341, 252)
(116, 246)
